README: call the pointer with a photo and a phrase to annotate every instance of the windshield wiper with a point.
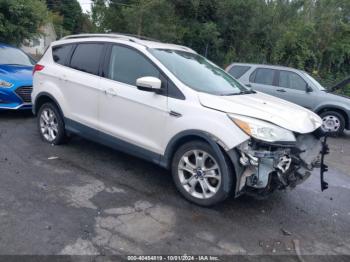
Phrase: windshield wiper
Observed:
(251, 91)
(239, 93)
(230, 94)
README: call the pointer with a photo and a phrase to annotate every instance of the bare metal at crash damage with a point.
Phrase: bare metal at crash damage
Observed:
(271, 166)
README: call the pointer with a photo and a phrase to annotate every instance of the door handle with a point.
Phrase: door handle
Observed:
(248, 85)
(111, 92)
(281, 90)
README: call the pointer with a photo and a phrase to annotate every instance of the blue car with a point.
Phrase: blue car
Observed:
(15, 78)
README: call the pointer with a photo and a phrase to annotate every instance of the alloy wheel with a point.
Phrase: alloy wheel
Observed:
(199, 174)
(49, 124)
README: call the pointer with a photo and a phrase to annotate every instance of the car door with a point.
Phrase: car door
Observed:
(293, 87)
(80, 83)
(263, 80)
(125, 112)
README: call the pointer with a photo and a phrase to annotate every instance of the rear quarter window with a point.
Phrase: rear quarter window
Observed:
(60, 53)
(237, 71)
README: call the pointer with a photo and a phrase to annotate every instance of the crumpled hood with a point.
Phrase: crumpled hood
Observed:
(13, 73)
(265, 107)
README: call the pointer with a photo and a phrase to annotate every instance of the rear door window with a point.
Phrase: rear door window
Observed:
(291, 80)
(264, 76)
(86, 57)
(237, 71)
(126, 65)
(60, 53)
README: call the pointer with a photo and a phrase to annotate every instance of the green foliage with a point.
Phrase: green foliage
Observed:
(67, 17)
(20, 19)
(313, 35)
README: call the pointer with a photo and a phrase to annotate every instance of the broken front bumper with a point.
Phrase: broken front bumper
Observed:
(266, 167)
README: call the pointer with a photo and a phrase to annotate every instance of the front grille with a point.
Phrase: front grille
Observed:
(24, 93)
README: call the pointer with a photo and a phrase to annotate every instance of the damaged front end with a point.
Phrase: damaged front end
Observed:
(271, 166)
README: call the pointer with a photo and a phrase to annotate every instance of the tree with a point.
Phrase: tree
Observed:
(98, 13)
(21, 19)
(71, 16)
(312, 35)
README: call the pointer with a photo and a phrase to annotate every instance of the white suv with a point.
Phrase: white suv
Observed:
(169, 105)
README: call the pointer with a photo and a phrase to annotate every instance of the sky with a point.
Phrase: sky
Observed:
(85, 5)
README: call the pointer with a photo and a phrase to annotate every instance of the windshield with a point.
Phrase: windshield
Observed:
(198, 73)
(314, 81)
(14, 56)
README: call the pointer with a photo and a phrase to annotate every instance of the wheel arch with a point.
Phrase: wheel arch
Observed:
(43, 98)
(214, 142)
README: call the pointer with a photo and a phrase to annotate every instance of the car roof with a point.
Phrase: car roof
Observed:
(142, 41)
(265, 66)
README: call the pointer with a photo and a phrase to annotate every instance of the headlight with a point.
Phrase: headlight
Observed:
(5, 84)
(263, 130)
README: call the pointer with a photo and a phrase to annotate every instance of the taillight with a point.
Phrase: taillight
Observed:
(37, 67)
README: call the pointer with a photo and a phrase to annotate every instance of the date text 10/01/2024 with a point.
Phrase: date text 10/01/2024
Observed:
(173, 258)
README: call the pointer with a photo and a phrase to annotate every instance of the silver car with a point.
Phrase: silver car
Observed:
(298, 87)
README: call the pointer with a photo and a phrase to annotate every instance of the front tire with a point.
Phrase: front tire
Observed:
(202, 175)
(332, 123)
(51, 124)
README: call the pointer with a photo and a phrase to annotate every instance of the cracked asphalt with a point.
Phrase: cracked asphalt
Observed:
(83, 199)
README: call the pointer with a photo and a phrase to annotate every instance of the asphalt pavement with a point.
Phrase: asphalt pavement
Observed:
(84, 199)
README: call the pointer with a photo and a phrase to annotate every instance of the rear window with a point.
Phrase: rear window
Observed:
(264, 76)
(237, 71)
(86, 57)
(60, 53)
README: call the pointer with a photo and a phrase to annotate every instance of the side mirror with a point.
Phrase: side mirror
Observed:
(149, 84)
(308, 89)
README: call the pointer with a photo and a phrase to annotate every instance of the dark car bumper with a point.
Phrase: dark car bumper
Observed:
(18, 97)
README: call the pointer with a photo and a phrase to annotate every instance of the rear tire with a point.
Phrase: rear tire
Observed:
(51, 124)
(332, 123)
(202, 175)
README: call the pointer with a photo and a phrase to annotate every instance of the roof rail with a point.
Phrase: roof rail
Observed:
(130, 37)
(141, 37)
(121, 36)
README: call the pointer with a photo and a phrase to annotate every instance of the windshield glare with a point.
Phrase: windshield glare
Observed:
(13, 56)
(314, 81)
(198, 73)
